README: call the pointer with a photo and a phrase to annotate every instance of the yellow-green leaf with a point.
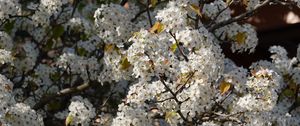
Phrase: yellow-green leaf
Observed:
(53, 106)
(224, 87)
(57, 31)
(55, 76)
(125, 64)
(153, 3)
(81, 51)
(196, 9)
(173, 47)
(240, 37)
(169, 115)
(69, 120)
(49, 44)
(288, 92)
(157, 28)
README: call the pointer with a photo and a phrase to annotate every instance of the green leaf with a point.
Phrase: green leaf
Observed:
(288, 92)
(58, 31)
(55, 76)
(84, 37)
(49, 45)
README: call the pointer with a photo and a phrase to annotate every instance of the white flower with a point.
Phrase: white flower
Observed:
(81, 110)
(5, 56)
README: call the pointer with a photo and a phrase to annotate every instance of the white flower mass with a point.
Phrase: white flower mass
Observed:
(140, 63)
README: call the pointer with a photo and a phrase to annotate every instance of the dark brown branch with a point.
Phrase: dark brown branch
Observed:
(161, 78)
(182, 87)
(75, 4)
(138, 15)
(240, 17)
(148, 13)
(178, 46)
(219, 13)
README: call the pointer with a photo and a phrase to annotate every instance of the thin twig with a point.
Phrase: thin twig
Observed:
(138, 15)
(178, 46)
(189, 78)
(219, 13)
(148, 12)
(75, 4)
(238, 18)
(174, 97)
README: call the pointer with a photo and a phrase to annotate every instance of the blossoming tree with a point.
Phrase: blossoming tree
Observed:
(140, 63)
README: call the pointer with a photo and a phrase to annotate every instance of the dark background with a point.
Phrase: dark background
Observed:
(273, 28)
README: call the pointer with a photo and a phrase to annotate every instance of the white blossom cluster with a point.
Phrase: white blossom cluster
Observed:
(144, 63)
(46, 9)
(113, 24)
(12, 113)
(242, 37)
(80, 110)
(9, 8)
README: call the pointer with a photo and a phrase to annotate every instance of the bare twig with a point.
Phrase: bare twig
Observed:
(63, 92)
(240, 17)
(178, 46)
(174, 97)
(75, 4)
(219, 13)
(182, 87)
(138, 15)
(148, 12)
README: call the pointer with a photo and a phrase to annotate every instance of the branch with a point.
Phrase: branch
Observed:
(240, 17)
(63, 92)
(183, 86)
(178, 46)
(138, 15)
(75, 5)
(148, 13)
(218, 14)
(161, 78)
